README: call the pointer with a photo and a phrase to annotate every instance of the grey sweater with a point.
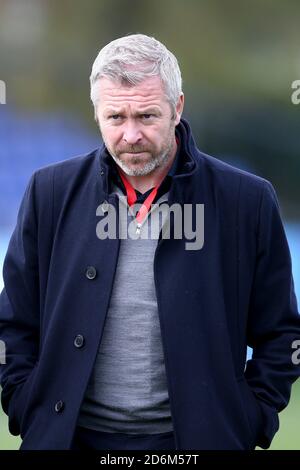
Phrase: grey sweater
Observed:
(127, 391)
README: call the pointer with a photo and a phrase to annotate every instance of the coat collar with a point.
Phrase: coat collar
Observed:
(186, 165)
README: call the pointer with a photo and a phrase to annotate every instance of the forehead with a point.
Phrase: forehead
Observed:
(149, 91)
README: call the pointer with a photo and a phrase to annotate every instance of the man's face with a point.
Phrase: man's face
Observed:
(136, 124)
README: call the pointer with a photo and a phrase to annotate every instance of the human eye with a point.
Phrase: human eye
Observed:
(147, 116)
(115, 117)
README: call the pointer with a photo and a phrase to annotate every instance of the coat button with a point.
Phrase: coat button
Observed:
(104, 206)
(79, 341)
(59, 406)
(101, 172)
(91, 272)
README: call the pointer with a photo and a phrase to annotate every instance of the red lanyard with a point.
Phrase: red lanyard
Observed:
(132, 197)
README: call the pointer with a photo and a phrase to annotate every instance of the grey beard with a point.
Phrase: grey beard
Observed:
(161, 160)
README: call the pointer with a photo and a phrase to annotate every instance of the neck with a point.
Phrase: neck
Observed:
(146, 182)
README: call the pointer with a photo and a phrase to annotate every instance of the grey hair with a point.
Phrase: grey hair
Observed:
(131, 59)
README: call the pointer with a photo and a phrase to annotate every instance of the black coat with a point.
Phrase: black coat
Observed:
(237, 290)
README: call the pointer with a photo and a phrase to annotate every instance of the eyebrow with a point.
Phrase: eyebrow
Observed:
(149, 110)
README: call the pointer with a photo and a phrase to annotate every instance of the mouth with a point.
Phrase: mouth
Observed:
(134, 153)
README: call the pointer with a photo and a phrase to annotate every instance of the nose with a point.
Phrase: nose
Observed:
(131, 133)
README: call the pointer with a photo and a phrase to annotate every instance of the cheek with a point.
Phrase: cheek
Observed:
(165, 135)
(156, 135)
(110, 136)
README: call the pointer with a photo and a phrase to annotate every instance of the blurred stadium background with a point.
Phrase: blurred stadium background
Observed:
(238, 61)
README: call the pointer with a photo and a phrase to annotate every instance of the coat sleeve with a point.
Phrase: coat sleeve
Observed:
(274, 320)
(19, 308)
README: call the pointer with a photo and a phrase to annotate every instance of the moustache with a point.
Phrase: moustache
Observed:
(132, 149)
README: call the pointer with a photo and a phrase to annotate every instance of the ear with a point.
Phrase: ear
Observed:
(179, 109)
(96, 117)
(96, 113)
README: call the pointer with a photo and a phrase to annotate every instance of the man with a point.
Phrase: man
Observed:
(139, 342)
